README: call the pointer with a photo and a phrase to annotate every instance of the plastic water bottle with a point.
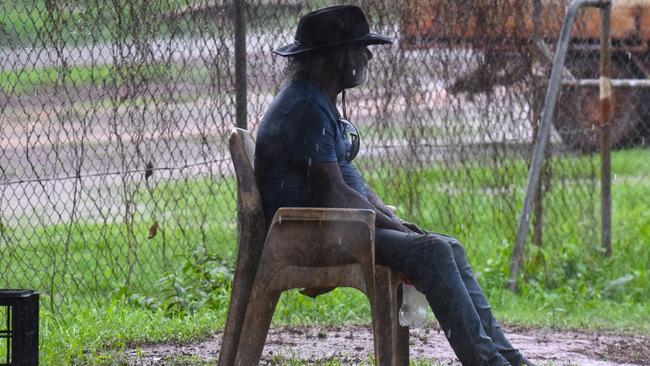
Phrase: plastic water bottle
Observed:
(413, 312)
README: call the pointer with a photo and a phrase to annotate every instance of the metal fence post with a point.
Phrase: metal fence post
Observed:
(538, 209)
(605, 129)
(240, 63)
(550, 101)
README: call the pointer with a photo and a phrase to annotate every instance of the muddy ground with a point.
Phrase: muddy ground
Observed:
(352, 346)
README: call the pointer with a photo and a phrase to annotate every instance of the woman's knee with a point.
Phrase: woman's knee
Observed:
(460, 255)
(432, 259)
(439, 247)
(455, 247)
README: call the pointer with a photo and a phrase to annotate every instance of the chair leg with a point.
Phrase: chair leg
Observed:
(383, 321)
(247, 262)
(236, 311)
(256, 326)
(402, 333)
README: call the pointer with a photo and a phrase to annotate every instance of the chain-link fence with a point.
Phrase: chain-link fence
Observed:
(114, 119)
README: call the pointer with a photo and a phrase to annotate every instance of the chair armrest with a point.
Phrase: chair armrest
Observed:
(320, 214)
(321, 237)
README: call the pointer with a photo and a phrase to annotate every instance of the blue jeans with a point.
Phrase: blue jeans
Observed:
(438, 267)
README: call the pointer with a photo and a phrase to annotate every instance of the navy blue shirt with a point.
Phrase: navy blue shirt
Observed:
(300, 127)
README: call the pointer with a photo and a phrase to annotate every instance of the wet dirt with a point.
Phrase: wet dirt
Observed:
(352, 345)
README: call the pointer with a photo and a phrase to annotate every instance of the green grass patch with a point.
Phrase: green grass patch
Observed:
(28, 80)
(82, 335)
(34, 23)
(115, 288)
(428, 131)
(37, 23)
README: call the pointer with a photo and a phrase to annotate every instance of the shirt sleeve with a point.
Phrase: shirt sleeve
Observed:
(309, 134)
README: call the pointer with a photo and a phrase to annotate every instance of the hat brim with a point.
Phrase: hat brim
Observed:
(368, 39)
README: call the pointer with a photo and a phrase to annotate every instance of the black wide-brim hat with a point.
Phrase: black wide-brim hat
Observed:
(332, 26)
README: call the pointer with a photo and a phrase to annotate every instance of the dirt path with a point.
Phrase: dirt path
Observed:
(352, 345)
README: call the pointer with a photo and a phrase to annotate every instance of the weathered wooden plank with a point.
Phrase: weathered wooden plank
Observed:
(482, 21)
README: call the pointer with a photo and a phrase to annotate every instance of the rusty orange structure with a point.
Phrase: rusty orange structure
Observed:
(478, 21)
(503, 28)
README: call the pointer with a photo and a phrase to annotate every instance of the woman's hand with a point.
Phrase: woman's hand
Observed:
(411, 226)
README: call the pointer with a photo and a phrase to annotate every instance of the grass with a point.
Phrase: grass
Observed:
(32, 23)
(426, 132)
(110, 266)
(30, 80)
(83, 335)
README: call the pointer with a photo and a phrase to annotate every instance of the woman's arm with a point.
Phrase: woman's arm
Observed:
(374, 199)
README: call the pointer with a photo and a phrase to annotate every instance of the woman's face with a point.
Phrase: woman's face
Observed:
(355, 67)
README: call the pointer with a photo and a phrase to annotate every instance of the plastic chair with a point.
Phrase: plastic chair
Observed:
(315, 249)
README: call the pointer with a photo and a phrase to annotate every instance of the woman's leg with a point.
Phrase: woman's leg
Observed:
(429, 262)
(490, 325)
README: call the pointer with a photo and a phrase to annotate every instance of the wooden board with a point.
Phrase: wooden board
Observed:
(506, 21)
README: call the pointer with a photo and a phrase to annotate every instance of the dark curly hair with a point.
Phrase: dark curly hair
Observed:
(315, 65)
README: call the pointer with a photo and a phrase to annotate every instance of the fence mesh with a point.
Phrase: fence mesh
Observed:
(114, 118)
